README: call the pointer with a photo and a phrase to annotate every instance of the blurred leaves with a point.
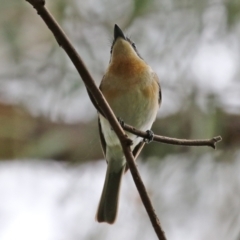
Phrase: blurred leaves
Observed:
(10, 31)
(25, 136)
(141, 7)
(11, 34)
(233, 12)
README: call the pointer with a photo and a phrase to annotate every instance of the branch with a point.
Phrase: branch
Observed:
(99, 98)
(175, 141)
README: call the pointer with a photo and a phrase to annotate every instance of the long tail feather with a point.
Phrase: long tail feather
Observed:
(108, 205)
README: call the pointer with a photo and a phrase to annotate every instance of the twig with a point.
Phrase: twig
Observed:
(99, 98)
(175, 141)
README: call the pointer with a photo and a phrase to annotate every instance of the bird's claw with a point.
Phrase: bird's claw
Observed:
(150, 136)
(121, 122)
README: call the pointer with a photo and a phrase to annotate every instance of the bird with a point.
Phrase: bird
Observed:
(132, 90)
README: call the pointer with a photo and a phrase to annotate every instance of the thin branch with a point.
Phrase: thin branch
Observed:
(99, 98)
(175, 141)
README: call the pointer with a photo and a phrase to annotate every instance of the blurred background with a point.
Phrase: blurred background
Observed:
(52, 168)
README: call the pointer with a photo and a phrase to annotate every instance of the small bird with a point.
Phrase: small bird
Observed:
(132, 90)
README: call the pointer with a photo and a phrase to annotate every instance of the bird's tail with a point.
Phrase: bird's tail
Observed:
(108, 205)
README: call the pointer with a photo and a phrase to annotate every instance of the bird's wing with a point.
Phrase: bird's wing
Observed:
(103, 142)
(155, 77)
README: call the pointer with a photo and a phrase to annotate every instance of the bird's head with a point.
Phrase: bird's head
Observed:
(122, 46)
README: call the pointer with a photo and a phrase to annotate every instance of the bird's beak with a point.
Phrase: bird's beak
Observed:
(118, 33)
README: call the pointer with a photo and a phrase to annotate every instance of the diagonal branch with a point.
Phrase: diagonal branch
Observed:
(99, 98)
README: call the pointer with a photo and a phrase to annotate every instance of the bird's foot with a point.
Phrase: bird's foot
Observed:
(121, 122)
(150, 136)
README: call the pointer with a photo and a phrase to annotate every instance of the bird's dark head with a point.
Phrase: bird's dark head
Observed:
(122, 45)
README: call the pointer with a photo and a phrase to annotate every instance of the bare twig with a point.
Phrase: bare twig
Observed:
(100, 100)
(175, 141)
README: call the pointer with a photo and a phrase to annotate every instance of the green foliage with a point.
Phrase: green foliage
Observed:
(233, 12)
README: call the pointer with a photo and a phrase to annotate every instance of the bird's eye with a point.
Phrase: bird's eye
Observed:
(134, 45)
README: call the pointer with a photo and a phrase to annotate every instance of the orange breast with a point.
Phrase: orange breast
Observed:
(128, 75)
(127, 68)
(111, 93)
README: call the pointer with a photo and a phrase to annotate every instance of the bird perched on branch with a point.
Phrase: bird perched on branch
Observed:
(132, 90)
